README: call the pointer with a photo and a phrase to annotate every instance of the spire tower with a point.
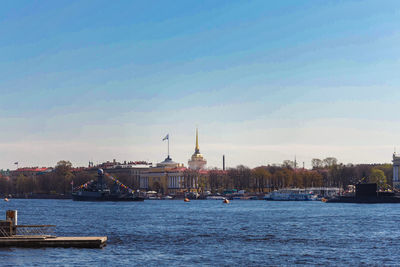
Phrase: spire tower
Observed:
(197, 149)
(197, 161)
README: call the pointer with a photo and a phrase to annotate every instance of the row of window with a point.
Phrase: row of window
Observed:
(174, 182)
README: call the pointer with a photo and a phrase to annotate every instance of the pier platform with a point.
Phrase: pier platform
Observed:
(36, 236)
(52, 241)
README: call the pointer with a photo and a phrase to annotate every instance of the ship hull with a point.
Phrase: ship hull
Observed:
(77, 197)
(98, 191)
(367, 200)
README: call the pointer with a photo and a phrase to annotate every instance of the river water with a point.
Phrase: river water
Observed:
(210, 233)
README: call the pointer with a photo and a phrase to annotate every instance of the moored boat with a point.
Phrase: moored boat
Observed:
(215, 198)
(290, 194)
(98, 191)
(367, 194)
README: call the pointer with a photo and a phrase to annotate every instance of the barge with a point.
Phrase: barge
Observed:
(367, 194)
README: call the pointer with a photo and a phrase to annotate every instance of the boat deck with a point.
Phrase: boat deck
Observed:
(52, 241)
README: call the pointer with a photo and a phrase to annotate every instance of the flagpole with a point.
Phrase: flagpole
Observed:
(167, 137)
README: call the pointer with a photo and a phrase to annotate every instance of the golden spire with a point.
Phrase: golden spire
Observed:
(197, 149)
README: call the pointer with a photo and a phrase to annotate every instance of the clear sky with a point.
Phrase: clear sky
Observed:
(263, 81)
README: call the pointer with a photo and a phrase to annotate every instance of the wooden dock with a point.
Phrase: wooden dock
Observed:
(52, 241)
(35, 236)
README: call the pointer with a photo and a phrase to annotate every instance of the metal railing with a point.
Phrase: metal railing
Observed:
(42, 230)
(4, 232)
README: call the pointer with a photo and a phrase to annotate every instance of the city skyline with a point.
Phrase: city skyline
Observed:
(263, 81)
(298, 162)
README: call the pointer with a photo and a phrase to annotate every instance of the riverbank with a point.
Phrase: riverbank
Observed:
(38, 196)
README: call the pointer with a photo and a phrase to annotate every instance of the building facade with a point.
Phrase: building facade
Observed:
(396, 165)
(170, 177)
(30, 171)
(166, 177)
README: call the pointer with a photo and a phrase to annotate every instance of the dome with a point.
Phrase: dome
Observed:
(168, 162)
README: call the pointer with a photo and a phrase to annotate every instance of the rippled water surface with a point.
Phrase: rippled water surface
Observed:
(209, 233)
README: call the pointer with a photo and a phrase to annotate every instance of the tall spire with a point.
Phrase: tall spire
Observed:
(197, 162)
(197, 149)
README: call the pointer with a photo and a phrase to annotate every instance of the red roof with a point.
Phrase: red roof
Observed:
(34, 169)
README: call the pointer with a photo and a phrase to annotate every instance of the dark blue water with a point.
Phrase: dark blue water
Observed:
(209, 233)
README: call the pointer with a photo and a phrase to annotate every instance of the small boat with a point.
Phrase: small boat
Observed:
(6, 199)
(290, 194)
(215, 198)
(225, 201)
(167, 198)
(186, 200)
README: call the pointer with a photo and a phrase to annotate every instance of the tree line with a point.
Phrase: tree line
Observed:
(268, 178)
(324, 173)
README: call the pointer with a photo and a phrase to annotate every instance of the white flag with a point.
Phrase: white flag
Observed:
(166, 137)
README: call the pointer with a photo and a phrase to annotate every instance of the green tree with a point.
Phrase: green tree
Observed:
(378, 176)
(388, 170)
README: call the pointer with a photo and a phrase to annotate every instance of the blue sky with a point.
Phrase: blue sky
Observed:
(263, 80)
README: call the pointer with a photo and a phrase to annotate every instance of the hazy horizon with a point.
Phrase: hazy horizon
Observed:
(263, 81)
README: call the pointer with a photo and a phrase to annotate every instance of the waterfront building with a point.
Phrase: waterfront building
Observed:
(170, 177)
(197, 161)
(167, 177)
(30, 171)
(396, 165)
(127, 171)
(131, 171)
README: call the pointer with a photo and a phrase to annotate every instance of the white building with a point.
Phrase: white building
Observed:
(396, 165)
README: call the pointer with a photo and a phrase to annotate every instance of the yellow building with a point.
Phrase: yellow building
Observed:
(170, 177)
(166, 177)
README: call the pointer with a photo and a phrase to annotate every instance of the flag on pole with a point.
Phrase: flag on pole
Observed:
(166, 137)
